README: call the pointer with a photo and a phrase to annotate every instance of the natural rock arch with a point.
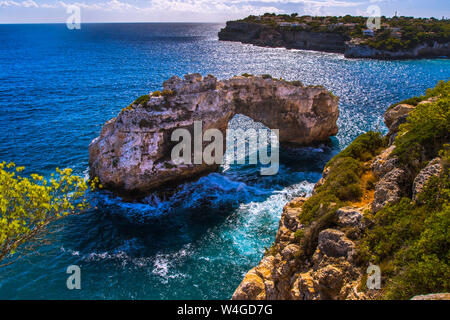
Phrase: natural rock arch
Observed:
(132, 154)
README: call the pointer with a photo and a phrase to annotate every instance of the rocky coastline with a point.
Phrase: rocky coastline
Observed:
(271, 36)
(325, 256)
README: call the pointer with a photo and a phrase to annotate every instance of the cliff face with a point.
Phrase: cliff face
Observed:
(269, 36)
(262, 35)
(370, 194)
(423, 50)
(132, 155)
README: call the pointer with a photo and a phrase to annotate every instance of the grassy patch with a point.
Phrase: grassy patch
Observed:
(342, 185)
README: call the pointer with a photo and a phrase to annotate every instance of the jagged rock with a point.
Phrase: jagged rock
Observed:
(434, 168)
(389, 189)
(330, 281)
(394, 117)
(132, 155)
(257, 283)
(432, 296)
(290, 251)
(307, 287)
(384, 163)
(395, 113)
(333, 243)
(355, 50)
(349, 217)
(267, 36)
(251, 288)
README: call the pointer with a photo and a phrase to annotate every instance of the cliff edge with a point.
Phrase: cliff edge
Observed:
(330, 38)
(382, 201)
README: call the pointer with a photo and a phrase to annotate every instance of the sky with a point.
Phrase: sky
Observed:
(56, 11)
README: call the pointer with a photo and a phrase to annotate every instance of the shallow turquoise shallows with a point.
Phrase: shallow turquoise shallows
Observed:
(57, 88)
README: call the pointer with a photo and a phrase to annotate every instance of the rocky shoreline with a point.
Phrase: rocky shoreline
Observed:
(269, 36)
(321, 258)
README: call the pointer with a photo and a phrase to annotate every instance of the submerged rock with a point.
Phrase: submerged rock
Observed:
(132, 155)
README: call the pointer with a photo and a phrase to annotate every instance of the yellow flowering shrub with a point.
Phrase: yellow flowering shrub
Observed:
(29, 204)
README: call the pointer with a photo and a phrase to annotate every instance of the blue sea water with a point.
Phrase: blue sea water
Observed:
(57, 88)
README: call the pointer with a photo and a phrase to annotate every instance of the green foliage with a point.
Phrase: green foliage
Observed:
(156, 93)
(363, 148)
(29, 205)
(142, 99)
(426, 129)
(411, 241)
(168, 93)
(341, 185)
(266, 76)
(247, 75)
(298, 234)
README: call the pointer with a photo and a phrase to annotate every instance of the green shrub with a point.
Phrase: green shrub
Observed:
(167, 93)
(156, 93)
(342, 184)
(247, 75)
(363, 148)
(411, 240)
(426, 129)
(142, 99)
(298, 234)
(297, 83)
(266, 76)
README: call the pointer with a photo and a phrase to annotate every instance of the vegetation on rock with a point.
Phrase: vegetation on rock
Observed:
(343, 184)
(394, 34)
(410, 239)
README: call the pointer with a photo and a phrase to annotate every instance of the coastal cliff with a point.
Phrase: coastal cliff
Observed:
(327, 40)
(268, 36)
(382, 201)
(132, 155)
(435, 49)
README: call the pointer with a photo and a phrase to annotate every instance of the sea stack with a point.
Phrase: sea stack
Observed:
(132, 155)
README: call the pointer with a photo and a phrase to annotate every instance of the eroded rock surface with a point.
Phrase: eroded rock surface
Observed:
(433, 169)
(132, 155)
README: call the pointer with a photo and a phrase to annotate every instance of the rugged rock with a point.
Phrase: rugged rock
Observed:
(394, 114)
(280, 274)
(356, 50)
(349, 217)
(394, 117)
(132, 155)
(389, 189)
(320, 260)
(291, 38)
(434, 168)
(268, 36)
(333, 243)
(384, 162)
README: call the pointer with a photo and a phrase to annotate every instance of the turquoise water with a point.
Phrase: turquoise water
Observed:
(57, 88)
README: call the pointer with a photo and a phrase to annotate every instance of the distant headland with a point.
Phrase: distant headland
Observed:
(394, 38)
